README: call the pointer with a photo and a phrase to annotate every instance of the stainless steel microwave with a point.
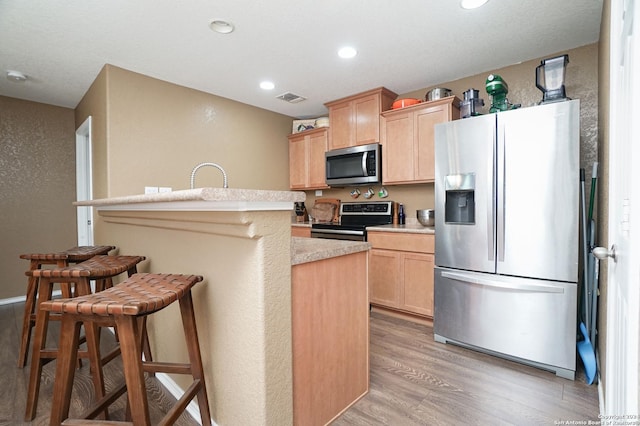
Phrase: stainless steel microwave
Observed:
(356, 165)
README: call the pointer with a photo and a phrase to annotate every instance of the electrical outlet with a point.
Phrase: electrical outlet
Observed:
(318, 192)
(164, 189)
(150, 189)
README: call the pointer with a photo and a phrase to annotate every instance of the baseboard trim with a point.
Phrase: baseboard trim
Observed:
(21, 299)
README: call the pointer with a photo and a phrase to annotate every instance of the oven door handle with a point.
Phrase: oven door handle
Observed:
(336, 232)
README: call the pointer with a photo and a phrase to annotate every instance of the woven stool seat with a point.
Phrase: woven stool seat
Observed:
(72, 255)
(60, 259)
(127, 305)
(143, 294)
(101, 269)
(94, 268)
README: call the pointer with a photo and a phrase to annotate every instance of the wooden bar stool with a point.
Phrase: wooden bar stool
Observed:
(99, 268)
(61, 260)
(127, 304)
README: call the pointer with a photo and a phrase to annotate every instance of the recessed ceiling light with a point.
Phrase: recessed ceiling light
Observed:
(267, 85)
(472, 4)
(16, 76)
(347, 52)
(222, 27)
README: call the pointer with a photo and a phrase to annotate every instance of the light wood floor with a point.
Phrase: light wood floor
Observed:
(414, 381)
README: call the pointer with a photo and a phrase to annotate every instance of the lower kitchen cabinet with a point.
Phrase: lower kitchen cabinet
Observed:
(401, 271)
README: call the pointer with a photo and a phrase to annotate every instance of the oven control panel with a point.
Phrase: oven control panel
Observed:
(370, 208)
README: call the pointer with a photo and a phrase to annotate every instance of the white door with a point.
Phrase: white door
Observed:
(623, 313)
(84, 183)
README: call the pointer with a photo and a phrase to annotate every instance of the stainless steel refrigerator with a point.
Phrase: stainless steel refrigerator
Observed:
(507, 248)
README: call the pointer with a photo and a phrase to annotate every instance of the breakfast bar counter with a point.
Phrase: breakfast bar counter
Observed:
(240, 242)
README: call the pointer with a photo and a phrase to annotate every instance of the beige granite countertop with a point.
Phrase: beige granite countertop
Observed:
(305, 250)
(301, 224)
(415, 228)
(203, 199)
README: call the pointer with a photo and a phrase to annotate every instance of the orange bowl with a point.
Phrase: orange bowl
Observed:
(401, 103)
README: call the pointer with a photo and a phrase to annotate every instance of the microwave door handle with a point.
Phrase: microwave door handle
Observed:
(364, 164)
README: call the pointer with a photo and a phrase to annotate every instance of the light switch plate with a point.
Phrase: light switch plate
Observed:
(164, 189)
(150, 189)
(318, 192)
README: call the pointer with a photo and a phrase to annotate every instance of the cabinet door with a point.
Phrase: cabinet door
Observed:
(384, 277)
(424, 137)
(367, 120)
(317, 172)
(417, 273)
(297, 162)
(301, 231)
(341, 129)
(397, 146)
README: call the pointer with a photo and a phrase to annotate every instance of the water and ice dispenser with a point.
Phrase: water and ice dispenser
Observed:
(460, 206)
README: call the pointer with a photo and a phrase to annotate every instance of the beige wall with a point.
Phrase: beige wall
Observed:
(37, 170)
(582, 83)
(148, 132)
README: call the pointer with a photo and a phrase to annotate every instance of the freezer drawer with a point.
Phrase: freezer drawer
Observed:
(530, 321)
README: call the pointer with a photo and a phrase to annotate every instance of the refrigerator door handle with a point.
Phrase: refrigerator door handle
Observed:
(540, 288)
(502, 161)
(491, 217)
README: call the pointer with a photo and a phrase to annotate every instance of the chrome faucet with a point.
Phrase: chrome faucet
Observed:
(217, 166)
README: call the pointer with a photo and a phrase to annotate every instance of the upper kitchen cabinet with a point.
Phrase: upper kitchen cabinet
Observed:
(407, 138)
(306, 159)
(355, 120)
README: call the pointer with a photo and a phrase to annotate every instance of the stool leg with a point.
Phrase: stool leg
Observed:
(128, 331)
(27, 321)
(146, 346)
(65, 369)
(92, 335)
(39, 340)
(195, 358)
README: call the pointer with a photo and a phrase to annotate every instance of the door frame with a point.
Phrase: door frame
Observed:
(84, 183)
(621, 375)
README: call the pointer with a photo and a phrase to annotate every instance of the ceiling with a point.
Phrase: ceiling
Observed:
(404, 45)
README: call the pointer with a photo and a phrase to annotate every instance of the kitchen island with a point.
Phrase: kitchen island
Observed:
(240, 242)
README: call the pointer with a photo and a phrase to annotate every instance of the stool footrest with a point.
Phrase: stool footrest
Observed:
(166, 367)
(100, 405)
(181, 405)
(77, 422)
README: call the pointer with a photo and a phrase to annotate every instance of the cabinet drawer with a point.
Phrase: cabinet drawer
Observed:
(421, 243)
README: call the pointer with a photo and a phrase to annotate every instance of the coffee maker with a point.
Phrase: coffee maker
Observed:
(550, 76)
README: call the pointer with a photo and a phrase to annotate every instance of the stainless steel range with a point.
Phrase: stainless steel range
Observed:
(354, 218)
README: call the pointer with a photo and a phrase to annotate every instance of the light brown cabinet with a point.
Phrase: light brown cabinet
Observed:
(301, 231)
(306, 159)
(408, 140)
(355, 120)
(401, 271)
(330, 337)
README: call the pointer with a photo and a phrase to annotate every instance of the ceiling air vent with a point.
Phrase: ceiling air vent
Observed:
(292, 98)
